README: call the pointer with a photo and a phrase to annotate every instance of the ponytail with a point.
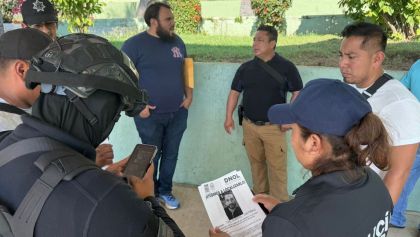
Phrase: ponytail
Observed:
(370, 141)
(367, 142)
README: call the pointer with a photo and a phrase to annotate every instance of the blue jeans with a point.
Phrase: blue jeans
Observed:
(165, 131)
(398, 215)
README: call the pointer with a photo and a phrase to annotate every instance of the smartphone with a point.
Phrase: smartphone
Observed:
(140, 160)
(265, 210)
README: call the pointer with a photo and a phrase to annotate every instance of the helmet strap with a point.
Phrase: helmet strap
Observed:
(81, 106)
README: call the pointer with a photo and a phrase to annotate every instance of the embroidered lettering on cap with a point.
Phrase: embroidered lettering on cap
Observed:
(39, 6)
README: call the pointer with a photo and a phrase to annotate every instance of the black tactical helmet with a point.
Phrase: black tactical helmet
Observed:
(77, 65)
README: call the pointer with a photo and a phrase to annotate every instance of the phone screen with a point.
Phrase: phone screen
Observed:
(140, 159)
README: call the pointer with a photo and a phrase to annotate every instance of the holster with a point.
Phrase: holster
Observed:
(240, 114)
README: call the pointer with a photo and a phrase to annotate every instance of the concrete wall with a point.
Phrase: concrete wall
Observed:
(206, 151)
(222, 17)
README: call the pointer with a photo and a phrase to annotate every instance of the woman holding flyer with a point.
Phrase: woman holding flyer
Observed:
(335, 136)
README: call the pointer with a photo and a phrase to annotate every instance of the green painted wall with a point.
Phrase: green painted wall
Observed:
(206, 151)
(309, 7)
(220, 8)
(118, 9)
(244, 26)
(222, 17)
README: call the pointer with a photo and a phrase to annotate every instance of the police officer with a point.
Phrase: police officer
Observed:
(85, 83)
(343, 197)
(41, 15)
(16, 49)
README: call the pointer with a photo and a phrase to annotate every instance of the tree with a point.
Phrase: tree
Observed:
(1, 24)
(271, 12)
(401, 18)
(78, 13)
(142, 8)
(187, 15)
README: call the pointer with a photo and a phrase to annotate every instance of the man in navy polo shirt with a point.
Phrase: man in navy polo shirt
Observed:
(158, 55)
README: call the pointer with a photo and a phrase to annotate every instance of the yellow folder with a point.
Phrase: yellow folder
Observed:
(189, 72)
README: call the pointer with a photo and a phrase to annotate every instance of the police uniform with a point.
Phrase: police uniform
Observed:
(38, 12)
(79, 207)
(329, 204)
(94, 202)
(344, 197)
(20, 44)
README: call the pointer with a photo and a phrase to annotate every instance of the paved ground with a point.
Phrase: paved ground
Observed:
(193, 219)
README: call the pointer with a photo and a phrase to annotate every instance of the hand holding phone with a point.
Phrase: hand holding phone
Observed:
(140, 159)
(143, 187)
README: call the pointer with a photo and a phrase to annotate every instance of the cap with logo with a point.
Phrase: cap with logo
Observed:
(38, 12)
(325, 106)
(23, 43)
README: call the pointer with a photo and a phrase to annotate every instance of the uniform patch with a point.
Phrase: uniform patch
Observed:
(39, 6)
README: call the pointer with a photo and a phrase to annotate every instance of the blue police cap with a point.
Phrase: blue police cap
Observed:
(324, 106)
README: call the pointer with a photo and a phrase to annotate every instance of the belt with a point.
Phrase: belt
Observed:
(258, 123)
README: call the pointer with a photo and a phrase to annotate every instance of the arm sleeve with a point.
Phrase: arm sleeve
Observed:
(131, 51)
(410, 77)
(402, 122)
(294, 81)
(237, 82)
(275, 226)
(184, 49)
(121, 213)
(160, 212)
(406, 80)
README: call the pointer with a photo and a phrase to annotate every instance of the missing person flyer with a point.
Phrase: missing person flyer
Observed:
(228, 202)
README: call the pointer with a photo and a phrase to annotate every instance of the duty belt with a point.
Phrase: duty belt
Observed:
(258, 123)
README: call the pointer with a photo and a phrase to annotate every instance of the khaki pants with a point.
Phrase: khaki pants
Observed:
(267, 153)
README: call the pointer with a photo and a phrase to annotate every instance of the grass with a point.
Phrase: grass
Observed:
(308, 50)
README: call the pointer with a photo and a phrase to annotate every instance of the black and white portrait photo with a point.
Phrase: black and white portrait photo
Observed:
(230, 205)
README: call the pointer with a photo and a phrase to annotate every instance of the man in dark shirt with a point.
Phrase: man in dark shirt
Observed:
(265, 143)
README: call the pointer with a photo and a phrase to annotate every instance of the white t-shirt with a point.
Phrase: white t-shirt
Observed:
(399, 110)
(8, 121)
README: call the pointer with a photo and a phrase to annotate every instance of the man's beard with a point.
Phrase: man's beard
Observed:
(164, 35)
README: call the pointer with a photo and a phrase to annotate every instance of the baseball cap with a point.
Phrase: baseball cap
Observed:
(38, 12)
(324, 106)
(23, 43)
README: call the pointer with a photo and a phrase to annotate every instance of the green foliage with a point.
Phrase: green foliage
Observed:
(78, 13)
(187, 15)
(9, 8)
(271, 12)
(305, 50)
(401, 18)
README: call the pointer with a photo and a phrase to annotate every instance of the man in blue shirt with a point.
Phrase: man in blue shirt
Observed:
(158, 55)
(412, 81)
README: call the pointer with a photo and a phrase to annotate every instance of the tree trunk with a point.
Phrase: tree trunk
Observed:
(390, 23)
(246, 9)
(1, 24)
(142, 8)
